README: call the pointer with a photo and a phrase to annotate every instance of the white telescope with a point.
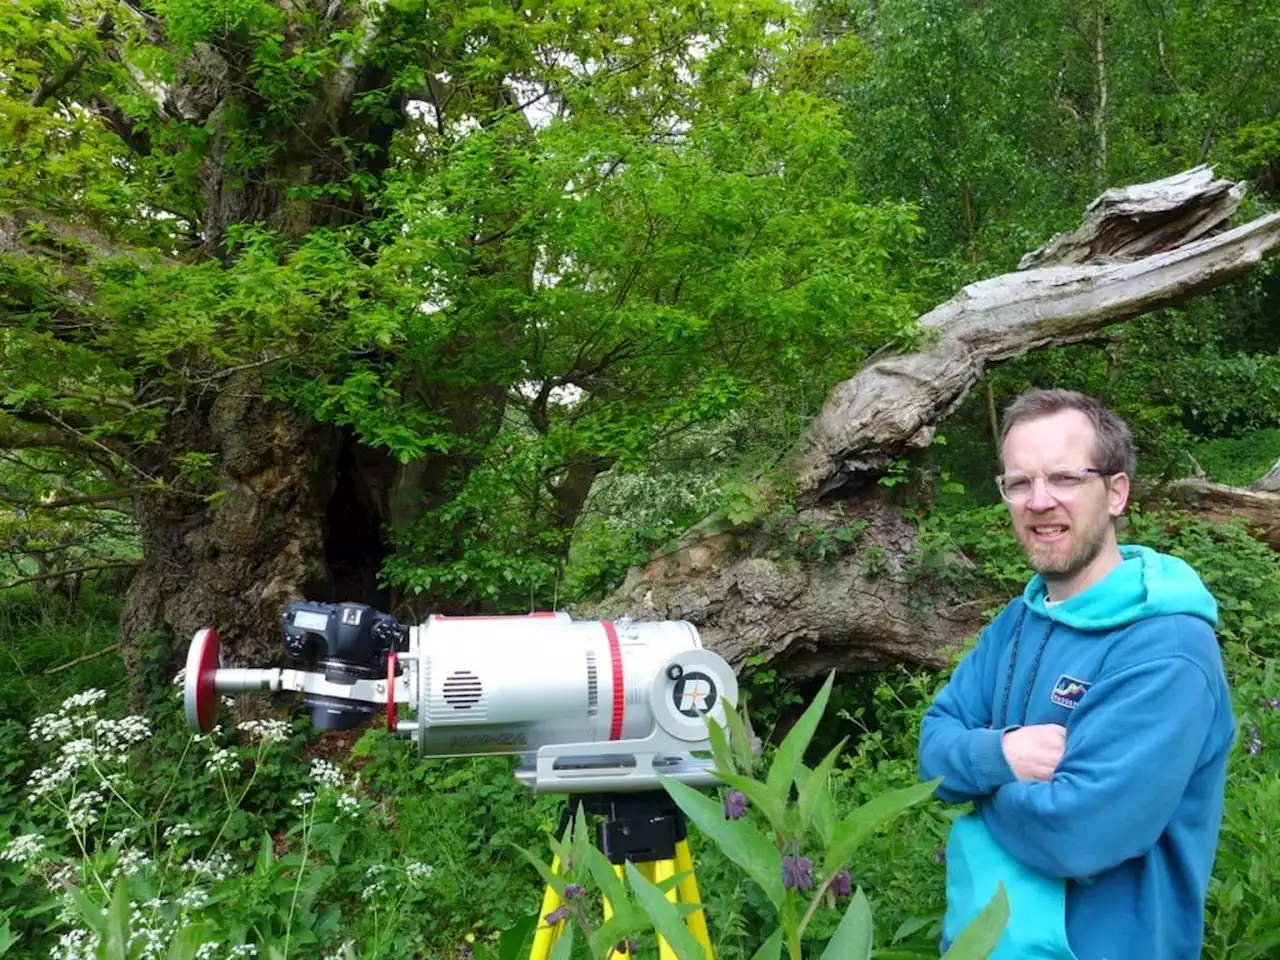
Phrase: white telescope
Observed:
(588, 706)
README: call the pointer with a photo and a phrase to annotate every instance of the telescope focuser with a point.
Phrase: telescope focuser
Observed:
(588, 706)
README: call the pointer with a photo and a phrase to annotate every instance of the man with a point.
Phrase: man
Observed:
(1090, 725)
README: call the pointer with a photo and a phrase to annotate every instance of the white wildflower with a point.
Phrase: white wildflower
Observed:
(180, 677)
(344, 952)
(222, 759)
(25, 849)
(83, 810)
(180, 830)
(303, 798)
(65, 876)
(348, 805)
(206, 950)
(417, 871)
(86, 698)
(197, 898)
(228, 702)
(150, 932)
(124, 732)
(326, 774)
(130, 863)
(267, 731)
(244, 950)
(216, 868)
(76, 945)
(377, 882)
(53, 726)
(122, 836)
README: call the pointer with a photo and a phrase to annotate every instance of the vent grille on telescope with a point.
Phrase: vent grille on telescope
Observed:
(462, 690)
(593, 685)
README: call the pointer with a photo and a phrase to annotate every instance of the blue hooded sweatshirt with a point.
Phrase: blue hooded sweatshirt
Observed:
(1111, 858)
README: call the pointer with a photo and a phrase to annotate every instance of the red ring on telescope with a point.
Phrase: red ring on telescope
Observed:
(204, 659)
(391, 692)
(619, 694)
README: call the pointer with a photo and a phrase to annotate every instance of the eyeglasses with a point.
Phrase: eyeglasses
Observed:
(1062, 484)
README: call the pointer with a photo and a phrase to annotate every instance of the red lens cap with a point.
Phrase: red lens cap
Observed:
(200, 695)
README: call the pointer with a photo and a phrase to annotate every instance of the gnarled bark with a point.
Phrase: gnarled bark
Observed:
(1159, 243)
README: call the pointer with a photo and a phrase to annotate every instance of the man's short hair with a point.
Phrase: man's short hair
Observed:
(1113, 443)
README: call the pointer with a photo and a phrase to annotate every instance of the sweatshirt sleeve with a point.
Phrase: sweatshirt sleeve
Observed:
(1131, 749)
(957, 742)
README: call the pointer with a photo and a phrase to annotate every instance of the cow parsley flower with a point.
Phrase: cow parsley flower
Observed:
(86, 698)
(196, 898)
(180, 830)
(222, 760)
(266, 731)
(83, 811)
(326, 774)
(417, 871)
(130, 863)
(25, 849)
(76, 945)
(216, 868)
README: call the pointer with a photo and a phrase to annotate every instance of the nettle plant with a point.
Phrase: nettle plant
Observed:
(783, 831)
(132, 867)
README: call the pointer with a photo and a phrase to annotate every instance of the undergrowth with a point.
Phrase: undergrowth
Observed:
(267, 838)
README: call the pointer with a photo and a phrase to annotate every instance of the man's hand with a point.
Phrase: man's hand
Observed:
(1034, 752)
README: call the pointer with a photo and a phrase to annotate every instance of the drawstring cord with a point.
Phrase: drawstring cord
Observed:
(1013, 663)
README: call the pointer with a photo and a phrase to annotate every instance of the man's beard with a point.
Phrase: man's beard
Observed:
(1049, 560)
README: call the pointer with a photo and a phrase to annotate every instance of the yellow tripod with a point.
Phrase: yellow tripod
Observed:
(649, 830)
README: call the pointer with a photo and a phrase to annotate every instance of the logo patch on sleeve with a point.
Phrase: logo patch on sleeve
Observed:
(1068, 691)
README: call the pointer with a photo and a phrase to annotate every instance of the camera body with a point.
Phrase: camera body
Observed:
(587, 706)
(347, 643)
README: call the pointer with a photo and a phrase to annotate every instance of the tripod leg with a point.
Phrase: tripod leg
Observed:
(689, 894)
(545, 937)
(665, 870)
(608, 915)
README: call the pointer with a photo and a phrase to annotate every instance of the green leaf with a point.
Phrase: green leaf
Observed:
(666, 918)
(630, 922)
(742, 843)
(117, 939)
(813, 787)
(790, 753)
(741, 737)
(978, 940)
(7, 939)
(911, 925)
(771, 949)
(93, 915)
(870, 817)
(554, 880)
(824, 812)
(610, 884)
(511, 943)
(720, 747)
(563, 950)
(853, 938)
(266, 855)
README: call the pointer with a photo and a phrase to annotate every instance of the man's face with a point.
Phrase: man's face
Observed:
(1061, 531)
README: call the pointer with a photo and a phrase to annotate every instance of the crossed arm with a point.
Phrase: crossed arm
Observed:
(1073, 805)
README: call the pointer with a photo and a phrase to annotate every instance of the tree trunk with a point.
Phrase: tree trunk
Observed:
(233, 563)
(867, 599)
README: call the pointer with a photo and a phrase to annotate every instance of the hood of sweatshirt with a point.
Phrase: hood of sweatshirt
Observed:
(1144, 584)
